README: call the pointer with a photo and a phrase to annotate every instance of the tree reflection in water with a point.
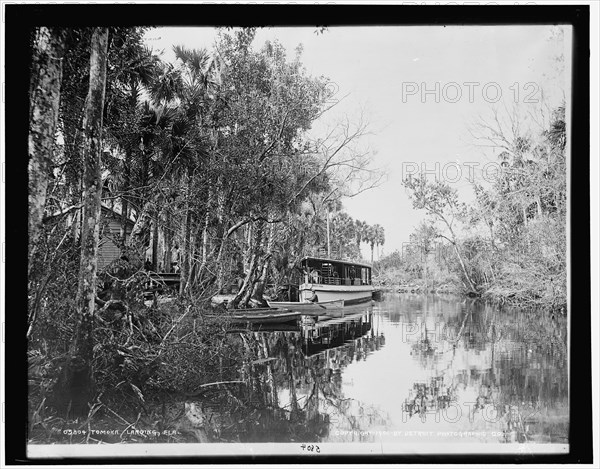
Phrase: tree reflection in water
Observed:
(429, 396)
(515, 360)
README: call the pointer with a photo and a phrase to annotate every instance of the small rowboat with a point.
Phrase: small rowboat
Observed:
(308, 307)
(263, 316)
(266, 318)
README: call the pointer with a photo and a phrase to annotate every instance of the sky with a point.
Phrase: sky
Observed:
(420, 88)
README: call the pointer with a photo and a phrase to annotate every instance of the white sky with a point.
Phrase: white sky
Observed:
(374, 64)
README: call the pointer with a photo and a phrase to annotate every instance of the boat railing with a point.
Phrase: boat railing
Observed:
(333, 280)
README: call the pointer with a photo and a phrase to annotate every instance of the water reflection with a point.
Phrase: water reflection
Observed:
(411, 368)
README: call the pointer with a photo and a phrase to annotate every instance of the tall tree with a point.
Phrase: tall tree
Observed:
(379, 236)
(423, 239)
(127, 123)
(440, 201)
(79, 377)
(370, 237)
(359, 230)
(343, 234)
(46, 76)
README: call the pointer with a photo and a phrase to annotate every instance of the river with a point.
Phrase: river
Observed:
(411, 369)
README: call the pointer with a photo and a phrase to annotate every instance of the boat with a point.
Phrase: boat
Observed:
(291, 326)
(331, 279)
(266, 318)
(307, 306)
(263, 316)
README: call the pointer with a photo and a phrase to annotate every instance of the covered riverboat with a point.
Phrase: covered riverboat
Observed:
(331, 279)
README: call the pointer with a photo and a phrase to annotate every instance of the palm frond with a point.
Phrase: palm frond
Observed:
(195, 60)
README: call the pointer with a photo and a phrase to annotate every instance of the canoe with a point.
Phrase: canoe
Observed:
(252, 311)
(266, 318)
(306, 307)
(291, 326)
(261, 316)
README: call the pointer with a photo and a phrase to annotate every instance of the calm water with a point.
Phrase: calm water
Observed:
(412, 368)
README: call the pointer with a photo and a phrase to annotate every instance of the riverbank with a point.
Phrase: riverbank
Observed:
(546, 297)
(421, 288)
(140, 356)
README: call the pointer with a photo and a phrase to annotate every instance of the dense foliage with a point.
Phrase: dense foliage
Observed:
(207, 166)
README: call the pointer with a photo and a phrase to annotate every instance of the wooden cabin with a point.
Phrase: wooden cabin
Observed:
(110, 241)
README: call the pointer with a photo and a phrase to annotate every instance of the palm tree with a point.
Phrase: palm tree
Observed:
(135, 72)
(370, 237)
(359, 231)
(379, 234)
(343, 231)
(195, 82)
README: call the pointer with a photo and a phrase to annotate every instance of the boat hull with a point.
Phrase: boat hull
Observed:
(351, 294)
(307, 306)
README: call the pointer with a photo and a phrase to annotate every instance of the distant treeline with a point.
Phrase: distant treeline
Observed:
(509, 244)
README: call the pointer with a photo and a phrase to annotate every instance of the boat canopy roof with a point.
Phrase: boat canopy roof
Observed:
(336, 261)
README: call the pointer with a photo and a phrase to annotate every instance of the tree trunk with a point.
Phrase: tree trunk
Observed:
(219, 261)
(248, 252)
(464, 269)
(460, 259)
(124, 201)
(328, 237)
(205, 239)
(124, 220)
(184, 253)
(205, 230)
(155, 243)
(245, 286)
(80, 386)
(75, 227)
(140, 228)
(425, 269)
(186, 233)
(44, 99)
(168, 242)
(199, 269)
(538, 203)
(243, 295)
(260, 285)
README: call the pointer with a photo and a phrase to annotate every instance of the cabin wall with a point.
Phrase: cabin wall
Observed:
(108, 250)
(110, 236)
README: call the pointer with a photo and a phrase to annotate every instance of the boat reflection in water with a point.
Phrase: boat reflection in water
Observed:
(290, 382)
(318, 336)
